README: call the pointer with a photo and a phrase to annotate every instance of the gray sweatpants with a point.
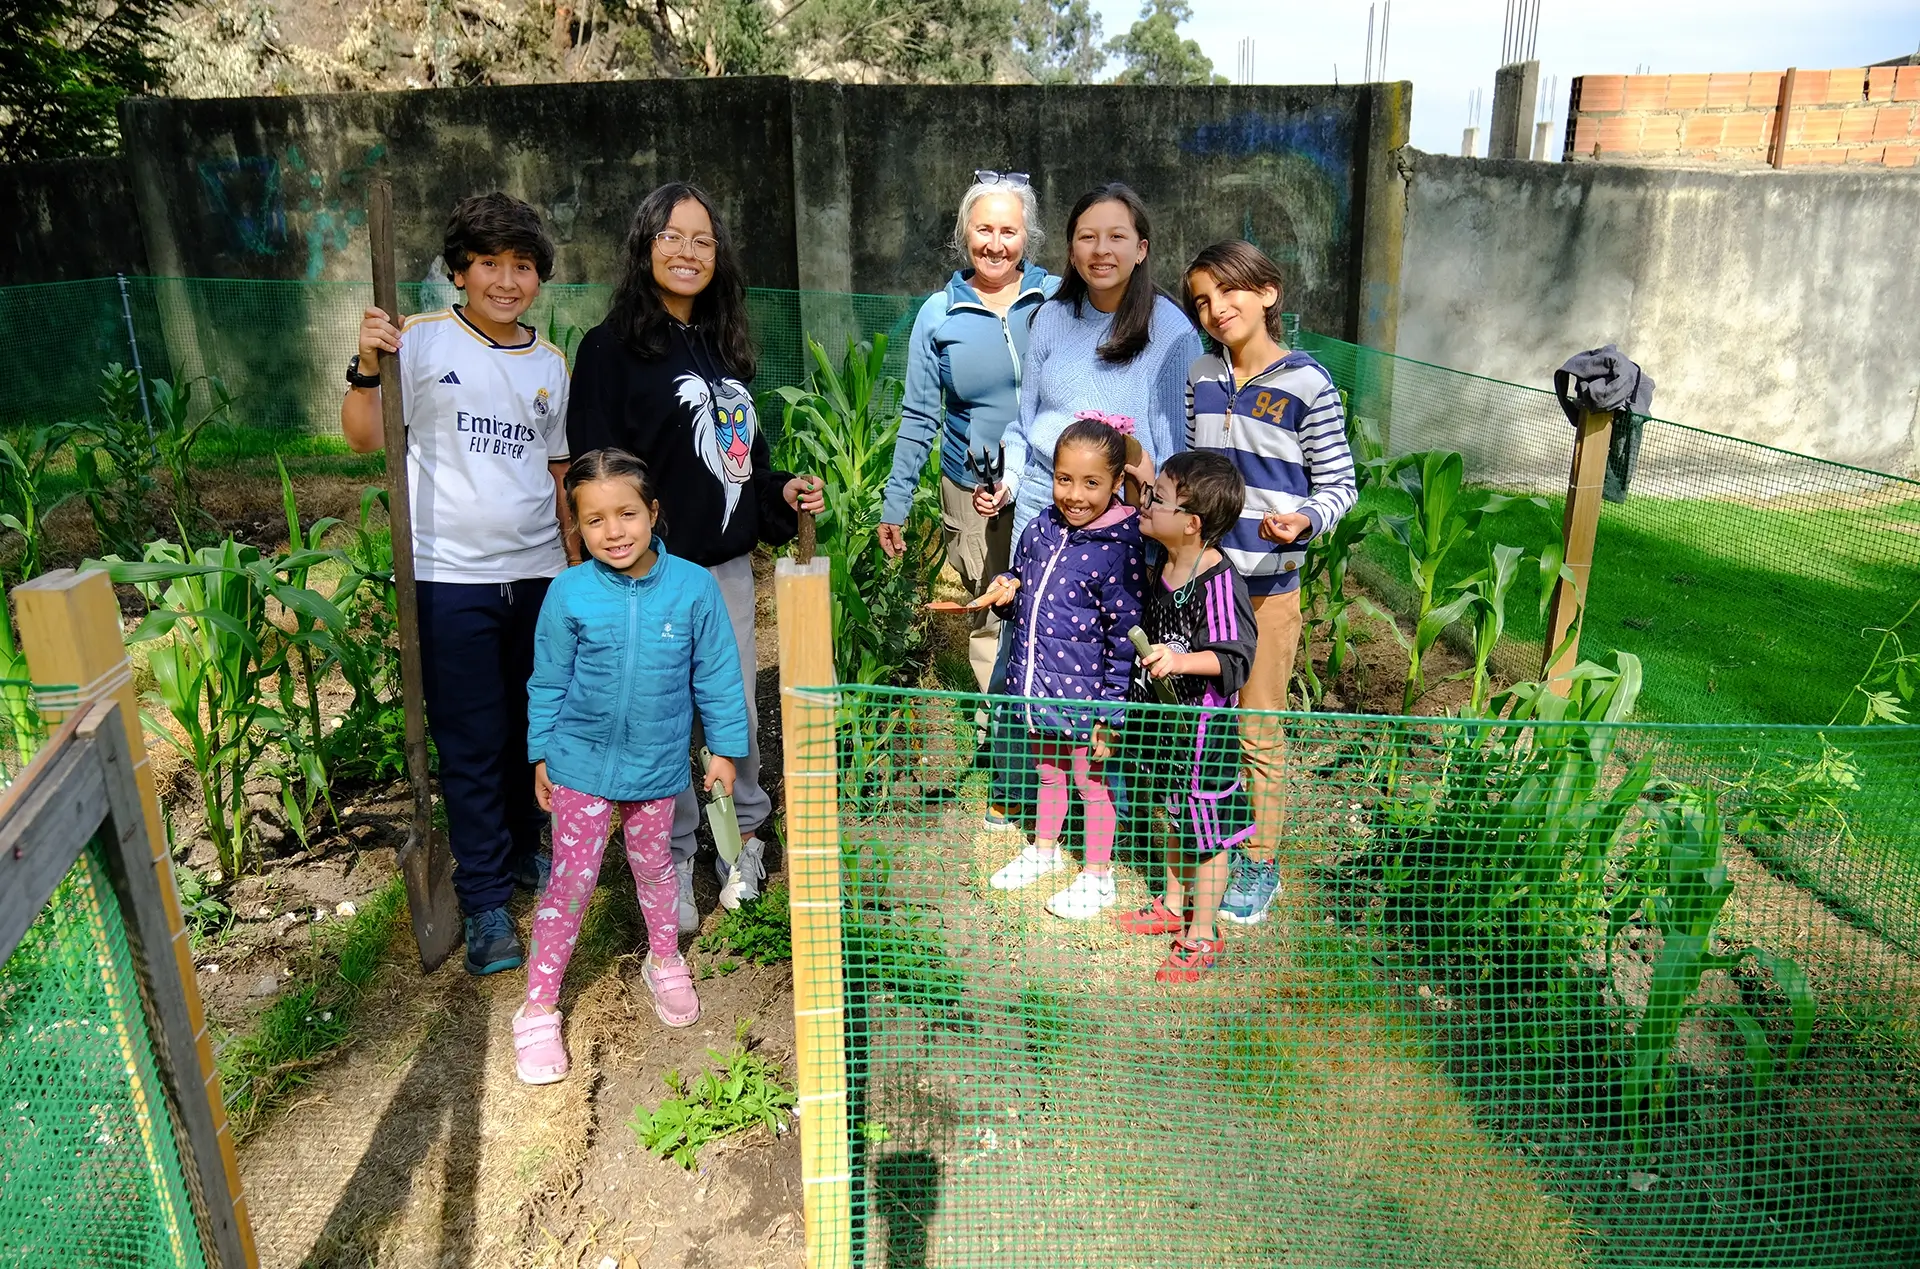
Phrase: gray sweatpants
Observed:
(750, 802)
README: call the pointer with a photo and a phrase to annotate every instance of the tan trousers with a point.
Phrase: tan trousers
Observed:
(1264, 740)
(979, 549)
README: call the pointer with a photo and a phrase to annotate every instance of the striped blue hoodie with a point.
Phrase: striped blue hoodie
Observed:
(1286, 433)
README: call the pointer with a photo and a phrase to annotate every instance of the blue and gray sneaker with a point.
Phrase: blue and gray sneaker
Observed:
(530, 872)
(492, 945)
(1250, 890)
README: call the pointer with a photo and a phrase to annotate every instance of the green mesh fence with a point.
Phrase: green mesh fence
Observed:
(1751, 581)
(282, 347)
(90, 1172)
(1543, 994)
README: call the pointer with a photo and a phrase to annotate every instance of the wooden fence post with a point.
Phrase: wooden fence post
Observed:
(1585, 482)
(70, 630)
(813, 870)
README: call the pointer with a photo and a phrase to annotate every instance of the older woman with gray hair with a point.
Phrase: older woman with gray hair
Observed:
(963, 386)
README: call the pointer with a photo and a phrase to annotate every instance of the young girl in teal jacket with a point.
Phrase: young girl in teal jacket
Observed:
(628, 644)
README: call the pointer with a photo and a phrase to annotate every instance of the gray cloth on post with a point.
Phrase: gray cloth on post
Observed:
(1604, 380)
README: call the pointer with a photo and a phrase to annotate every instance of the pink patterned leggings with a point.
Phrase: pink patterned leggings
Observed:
(1057, 760)
(580, 825)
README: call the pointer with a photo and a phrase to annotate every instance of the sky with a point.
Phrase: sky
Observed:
(1448, 48)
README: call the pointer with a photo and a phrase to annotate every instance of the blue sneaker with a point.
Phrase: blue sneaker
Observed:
(531, 872)
(1250, 890)
(998, 821)
(492, 945)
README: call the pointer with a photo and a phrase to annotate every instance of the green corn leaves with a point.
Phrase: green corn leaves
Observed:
(1689, 890)
(223, 657)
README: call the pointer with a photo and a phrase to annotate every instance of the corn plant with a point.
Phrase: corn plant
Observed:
(1689, 889)
(842, 425)
(22, 719)
(116, 465)
(177, 430)
(1496, 846)
(1325, 602)
(1481, 598)
(315, 649)
(1444, 516)
(26, 496)
(217, 651)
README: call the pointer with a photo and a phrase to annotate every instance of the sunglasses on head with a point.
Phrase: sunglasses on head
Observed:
(987, 176)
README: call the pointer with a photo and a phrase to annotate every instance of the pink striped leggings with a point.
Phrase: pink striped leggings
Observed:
(1056, 760)
(580, 825)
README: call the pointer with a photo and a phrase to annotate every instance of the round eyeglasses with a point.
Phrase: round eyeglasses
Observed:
(1150, 498)
(672, 243)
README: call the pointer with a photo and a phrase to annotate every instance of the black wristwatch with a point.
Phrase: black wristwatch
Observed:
(358, 380)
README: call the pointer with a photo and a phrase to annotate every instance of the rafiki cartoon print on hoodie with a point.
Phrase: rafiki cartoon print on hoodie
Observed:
(1079, 594)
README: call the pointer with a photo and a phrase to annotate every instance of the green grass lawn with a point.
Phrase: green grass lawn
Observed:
(1738, 613)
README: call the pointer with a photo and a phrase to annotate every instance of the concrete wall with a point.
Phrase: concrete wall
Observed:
(1783, 307)
(879, 170)
(1861, 115)
(69, 219)
(275, 187)
(828, 187)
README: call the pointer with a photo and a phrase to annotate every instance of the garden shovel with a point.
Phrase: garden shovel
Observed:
(722, 821)
(425, 862)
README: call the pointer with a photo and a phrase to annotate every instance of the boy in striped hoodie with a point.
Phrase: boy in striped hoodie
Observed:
(1276, 415)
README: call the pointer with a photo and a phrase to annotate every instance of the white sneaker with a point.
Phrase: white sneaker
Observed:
(689, 914)
(1086, 898)
(1027, 867)
(743, 881)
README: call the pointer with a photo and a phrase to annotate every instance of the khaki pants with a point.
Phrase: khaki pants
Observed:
(979, 550)
(1264, 740)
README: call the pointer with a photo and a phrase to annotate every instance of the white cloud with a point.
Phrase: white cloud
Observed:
(1448, 48)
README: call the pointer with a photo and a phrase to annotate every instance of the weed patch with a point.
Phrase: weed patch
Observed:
(740, 1091)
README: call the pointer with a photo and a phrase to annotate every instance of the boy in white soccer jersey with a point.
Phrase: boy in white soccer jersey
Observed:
(486, 408)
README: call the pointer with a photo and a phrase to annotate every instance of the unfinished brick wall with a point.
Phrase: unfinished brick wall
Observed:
(1865, 115)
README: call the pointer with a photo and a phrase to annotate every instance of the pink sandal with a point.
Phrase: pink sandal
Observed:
(539, 1054)
(671, 983)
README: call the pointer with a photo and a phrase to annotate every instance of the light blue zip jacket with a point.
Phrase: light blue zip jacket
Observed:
(618, 667)
(963, 381)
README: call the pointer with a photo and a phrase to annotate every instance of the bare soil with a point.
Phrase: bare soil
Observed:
(418, 1145)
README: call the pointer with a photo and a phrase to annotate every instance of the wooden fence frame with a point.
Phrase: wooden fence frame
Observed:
(81, 789)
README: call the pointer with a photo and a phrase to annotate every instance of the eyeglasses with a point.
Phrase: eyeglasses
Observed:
(987, 176)
(1151, 498)
(700, 246)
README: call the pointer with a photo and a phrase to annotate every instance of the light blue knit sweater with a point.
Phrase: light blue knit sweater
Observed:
(1064, 376)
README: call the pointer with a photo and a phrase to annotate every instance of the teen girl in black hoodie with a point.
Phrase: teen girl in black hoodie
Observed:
(666, 377)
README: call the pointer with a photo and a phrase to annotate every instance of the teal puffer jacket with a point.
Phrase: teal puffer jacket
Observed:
(618, 668)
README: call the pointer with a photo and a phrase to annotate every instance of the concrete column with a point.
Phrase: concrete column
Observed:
(1469, 143)
(822, 216)
(1515, 88)
(1542, 140)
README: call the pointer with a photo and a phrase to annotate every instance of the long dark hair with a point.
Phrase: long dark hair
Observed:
(1133, 320)
(639, 316)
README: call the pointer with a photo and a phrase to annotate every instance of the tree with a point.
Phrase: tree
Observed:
(65, 65)
(911, 41)
(1155, 53)
(1058, 41)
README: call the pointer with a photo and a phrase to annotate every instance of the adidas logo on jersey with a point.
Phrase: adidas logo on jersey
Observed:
(450, 377)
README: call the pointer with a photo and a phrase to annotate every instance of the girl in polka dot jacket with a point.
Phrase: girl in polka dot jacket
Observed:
(1072, 594)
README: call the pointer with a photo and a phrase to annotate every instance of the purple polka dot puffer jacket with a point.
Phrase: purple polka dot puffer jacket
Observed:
(1080, 592)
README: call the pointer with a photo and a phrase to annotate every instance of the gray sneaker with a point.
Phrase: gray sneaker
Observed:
(743, 880)
(689, 914)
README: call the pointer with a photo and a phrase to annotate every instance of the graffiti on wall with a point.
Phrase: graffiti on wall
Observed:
(1291, 177)
(269, 203)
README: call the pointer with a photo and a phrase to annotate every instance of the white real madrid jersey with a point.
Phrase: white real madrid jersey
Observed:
(483, 422)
